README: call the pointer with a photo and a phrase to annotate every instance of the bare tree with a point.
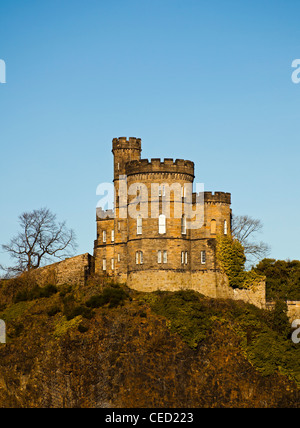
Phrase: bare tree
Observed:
(244, 228)
(42, 239)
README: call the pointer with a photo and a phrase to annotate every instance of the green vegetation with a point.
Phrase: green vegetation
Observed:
(112, 296)
(282, 278)
(35, 293)
(208, 336)
(264, 336)
(231, 257)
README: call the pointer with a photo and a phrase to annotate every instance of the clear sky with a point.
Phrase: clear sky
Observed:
(208, 81)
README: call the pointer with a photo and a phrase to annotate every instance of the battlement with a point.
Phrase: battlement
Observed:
(168, 165)
(124, 143)
(222, 197)
(104, 214)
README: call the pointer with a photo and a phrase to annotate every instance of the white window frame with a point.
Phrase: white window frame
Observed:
(139, 225)
(165, 256)
(113, 236)
(119, 257)
(139, 257)
(186, 258)
(203, 257)
(112, 264)
(182, 257)
(104, 265)
(183, 225)
(162, 224)
(104, 235)
(159, 258)
(225, 227)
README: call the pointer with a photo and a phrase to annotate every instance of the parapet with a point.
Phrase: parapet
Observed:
(222, 197)
(123, 143)
(168, 165)
(104, 214)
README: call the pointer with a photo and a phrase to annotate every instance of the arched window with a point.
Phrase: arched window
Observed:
(162, 224)
(225, 227)
(183, 225)
(139, 225)
(213, 227)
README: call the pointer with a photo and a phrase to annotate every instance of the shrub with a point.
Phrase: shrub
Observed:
(75, 311)
(111, 296)
(35, 293)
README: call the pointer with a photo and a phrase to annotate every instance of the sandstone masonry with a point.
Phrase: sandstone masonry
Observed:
(161, 251)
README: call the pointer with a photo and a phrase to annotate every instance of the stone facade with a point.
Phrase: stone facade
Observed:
(151, 240)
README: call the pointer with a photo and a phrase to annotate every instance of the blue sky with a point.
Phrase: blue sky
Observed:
(208, 81)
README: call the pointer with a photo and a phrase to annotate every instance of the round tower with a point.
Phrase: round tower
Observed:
(158, 240)
(125, 151)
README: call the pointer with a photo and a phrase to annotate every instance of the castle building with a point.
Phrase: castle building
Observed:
(152, 239)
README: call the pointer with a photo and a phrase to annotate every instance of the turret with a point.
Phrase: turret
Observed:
(125, 151)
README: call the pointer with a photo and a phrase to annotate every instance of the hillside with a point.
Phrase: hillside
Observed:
(106, 346)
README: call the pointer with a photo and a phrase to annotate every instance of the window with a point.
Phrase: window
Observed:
(225, 227)
(112, 264)
(119, 257)
(119, 226)
(159, 190)
(139, 225)
(165, 259)
(104, 235)
(139, 257)
(164, 190)
(183, 225)
(162, 224)
(213, 227)
(104, 264)
(112, 236)
(203, 257)
(184, 257)
(158, 256)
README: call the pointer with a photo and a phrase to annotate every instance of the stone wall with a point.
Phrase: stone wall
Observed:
(209, 283)
(74, 270)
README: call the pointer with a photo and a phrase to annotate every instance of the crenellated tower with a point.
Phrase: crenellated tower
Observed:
(155, 248)
(125, 151)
